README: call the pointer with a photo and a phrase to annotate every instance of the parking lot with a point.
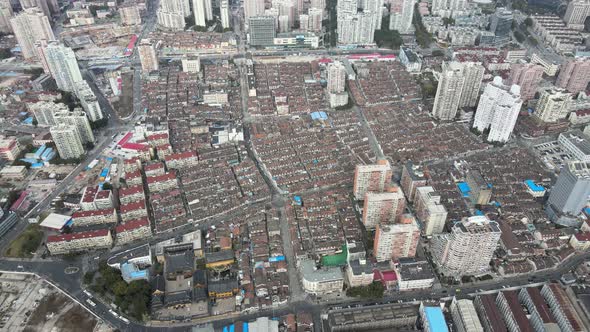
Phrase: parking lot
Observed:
(552, 154)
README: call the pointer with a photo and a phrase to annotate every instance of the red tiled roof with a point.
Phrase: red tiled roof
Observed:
(133, 224)
(584, 237)
(154, 166)
(130, 190)
(103, 194)
(91, 213)
(182, 155)
(162, 178)
(79, 235)
(157, 136)
(139, 205)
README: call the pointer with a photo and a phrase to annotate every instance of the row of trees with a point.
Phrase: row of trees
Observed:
(372, 291)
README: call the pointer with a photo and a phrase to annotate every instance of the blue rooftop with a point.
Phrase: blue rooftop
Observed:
(464, 188)
(319, 116)
(533, 186)
(436, 320)
(587, 211)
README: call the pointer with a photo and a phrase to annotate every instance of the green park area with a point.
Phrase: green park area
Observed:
(26, 243)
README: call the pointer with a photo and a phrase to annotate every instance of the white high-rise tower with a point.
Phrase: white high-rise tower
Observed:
(448, 93)
(63, 66)
(30, 26)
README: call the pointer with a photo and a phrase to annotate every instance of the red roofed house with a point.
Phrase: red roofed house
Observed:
(181, 160)
(158, 139)
(133, 230)
(132, 164)
(162, 182)
(87, 200)
(93, 217)
(163, 151)
(104, 200)
(131, 194)
(133, 178)
(75, 242)
(580, 241)
(134, 210)
(152, 169)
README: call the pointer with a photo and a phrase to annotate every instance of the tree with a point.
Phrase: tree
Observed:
(107, 186)
(120, 288)
(89, 145)
(519, 36)
(448, 21)
(5, 53)
(99, 123)
(438, 53)
(373, 291)
(88, 277)
(388, 38)
(35, 72)
(528, 22)
(423, 37)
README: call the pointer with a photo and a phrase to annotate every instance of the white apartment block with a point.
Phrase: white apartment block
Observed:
(29, 26)
(473, 72)
(448, 92)
(498, 110)
(44, 112)
(401, 15)
(336, 77)
(465, 316)
(320, 281)
(76, 242)
(224, 12)
(468, 248)
(130, 15)
(89, 101)
(199, 12)
(371, 178)
(5, 15)
(430, 211)
(68, 141)
(95, 217)
(133, 230)
(77, 119)
(553, 105)
(148, 56)
(63, 66)
(170, 20)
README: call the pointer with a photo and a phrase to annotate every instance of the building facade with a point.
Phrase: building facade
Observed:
(448, 92)
(68, 141)
(396, 240)
(371, 178)
(553, 105)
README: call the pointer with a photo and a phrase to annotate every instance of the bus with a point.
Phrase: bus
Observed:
(92, 304)
(125, 320)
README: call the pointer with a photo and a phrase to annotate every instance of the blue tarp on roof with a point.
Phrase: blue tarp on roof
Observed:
(276, 259)
(478, 213)
(245, 327)
(587, 211)
(37, 165)
(297, 200)
(533, 186)
(464, 188)
(28, 120)
(436, 319)
(319, 116)
(40, 151)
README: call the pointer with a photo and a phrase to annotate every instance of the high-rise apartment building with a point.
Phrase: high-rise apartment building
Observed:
(315, 19)
(447, 7)
(465, 316)
(63, 66)
(336, 77)
(358, 27)
(375, 8)
(44, 112)
(553, 105)
(208, 9)
(448, 92)
(369, 178)
(262, 30)
(383, 207)
(527, 77)
(253, 8)
(576, 13)
(67, 141)
(572, 189)
(429, 210)
(318, 4)
(574, 75)
(498, 110)
(501, 24)
(473, 72)
(412, 177)
(89, 101)
(171, 14)
(40, 4)
(130, 14)
(468, 248)
(303, 22)
(5, 15)
(29, 26)
(77, 119)
(148, 56)
(396, 240)
(199, 12)
(224, 12)
(401, 15)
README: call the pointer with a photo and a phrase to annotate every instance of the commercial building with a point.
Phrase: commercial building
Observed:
(412, 274)
(574, 75)
(148, 55)
(512, 312)
(576, 13)
(30, 26)
(553, 105)
(468, 248)
(378, 317)
(359, 273)
(81, 241)
(498, 110)
(432, 317)
(320, 281)
(448, 92)
(410, 59)
(429, 211)
(465, 316)
(371, 178)
(561, 307)
(385, 207)
(401, 15)
(540, 314)
(262, 30)
(501, 24)
(489, 314)
(576, 143)
(396, 240)
(130, 14)
(63, 66)
(527, 77)
(77, 119)
(67, 140)
(9, 148)
(192, 241)
(570, 193)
